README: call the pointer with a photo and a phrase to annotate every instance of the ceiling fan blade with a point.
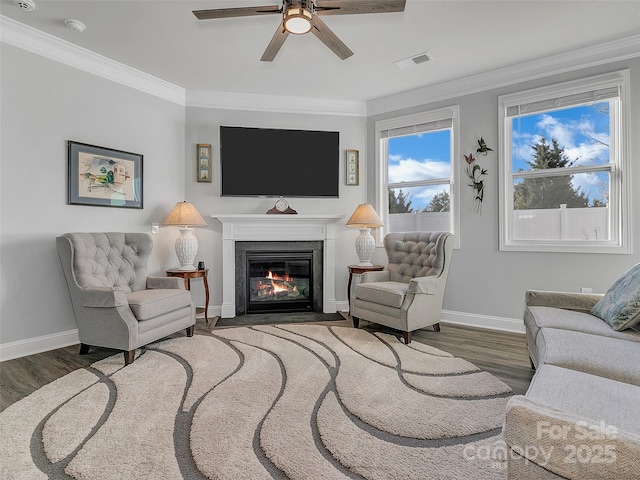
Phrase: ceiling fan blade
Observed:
(274, 45)
(330, 39)
(236, 12)
(346, 7)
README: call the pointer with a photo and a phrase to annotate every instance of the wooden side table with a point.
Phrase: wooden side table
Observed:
(187, 275)
(359, 270)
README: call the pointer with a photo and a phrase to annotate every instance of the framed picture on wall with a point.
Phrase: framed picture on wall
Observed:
(353, 167)
(204, 162)
(104, 177)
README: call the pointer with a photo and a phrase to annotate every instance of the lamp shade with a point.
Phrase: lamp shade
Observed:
(185, 214)
(365, 218)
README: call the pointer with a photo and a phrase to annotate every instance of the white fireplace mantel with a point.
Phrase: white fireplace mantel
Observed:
(277, 227)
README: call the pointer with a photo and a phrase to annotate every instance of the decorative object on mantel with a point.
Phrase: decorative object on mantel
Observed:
(365, 218)
(353, 167)
(281, 206)
(475, 173)
(203, 156)
(185, 214)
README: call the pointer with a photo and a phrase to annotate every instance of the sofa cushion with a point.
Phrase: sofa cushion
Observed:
(620, 306)
(146, 304)
(588, 396)
(536, 318)
(384, 293)
(576, 425)
(603, 356)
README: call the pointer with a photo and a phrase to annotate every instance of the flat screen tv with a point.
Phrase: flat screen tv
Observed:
(278, 162)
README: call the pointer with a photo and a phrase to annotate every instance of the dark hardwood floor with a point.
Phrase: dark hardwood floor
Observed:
(500, 353)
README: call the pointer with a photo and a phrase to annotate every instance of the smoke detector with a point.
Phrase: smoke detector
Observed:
(76, 26)
(413, 60)
(25, 5)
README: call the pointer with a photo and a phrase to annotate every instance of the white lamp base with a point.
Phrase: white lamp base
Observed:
(186, 249)
(365, 246)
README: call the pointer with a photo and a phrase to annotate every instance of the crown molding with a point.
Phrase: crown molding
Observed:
(275, 103)
(608, 52)
(41, 43)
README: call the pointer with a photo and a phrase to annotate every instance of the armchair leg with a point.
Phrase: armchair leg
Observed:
(129, 356)
(84, 348)
(356, 322)
(436, 327)
(191, 330)
(406, 337)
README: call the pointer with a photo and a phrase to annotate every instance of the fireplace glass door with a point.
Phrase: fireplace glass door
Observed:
(279, 282)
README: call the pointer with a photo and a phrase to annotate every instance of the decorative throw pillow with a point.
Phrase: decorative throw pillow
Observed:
(620, 306)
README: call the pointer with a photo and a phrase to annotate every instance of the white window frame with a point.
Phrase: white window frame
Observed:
(451, 114)
(619, 166)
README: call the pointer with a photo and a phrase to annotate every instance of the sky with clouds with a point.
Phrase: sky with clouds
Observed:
(583, 132)
(424, 156)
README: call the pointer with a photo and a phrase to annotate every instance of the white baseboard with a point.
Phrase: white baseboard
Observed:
(212, 311)
(342, 306)
(504, 324)
(31, 346)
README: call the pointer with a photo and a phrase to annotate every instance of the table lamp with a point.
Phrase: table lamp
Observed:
(185, 214)
(365, 218)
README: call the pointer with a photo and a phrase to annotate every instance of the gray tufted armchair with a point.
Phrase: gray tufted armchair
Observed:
(116, 304)
(408, 294)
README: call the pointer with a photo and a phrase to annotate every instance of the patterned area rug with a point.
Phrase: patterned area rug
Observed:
(288, 401)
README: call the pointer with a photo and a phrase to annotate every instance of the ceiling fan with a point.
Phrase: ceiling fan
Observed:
(302, 16)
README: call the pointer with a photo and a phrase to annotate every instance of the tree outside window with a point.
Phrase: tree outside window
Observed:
(563, 161)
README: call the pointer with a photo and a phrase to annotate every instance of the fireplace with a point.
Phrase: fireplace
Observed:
(261, 229)
(279, 282)
(278, 277)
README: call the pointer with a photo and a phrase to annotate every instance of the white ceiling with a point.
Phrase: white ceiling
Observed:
(164, 39)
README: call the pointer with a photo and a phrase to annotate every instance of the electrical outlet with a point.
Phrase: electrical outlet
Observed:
(586, 290)
(155, 228)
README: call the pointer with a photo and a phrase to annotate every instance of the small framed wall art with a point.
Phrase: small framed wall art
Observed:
(204, 162)
(103, 176)
(353, 167)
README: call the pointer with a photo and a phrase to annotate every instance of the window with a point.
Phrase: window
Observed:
(564, 161)
(416, 172)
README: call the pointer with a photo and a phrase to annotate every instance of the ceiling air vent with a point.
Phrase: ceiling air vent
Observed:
(417, 59)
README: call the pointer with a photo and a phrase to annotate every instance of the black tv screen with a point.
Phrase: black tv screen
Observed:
(278, 162)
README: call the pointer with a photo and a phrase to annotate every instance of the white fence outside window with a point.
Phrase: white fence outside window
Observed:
(591, 223)
(540, 224)
(420, 222)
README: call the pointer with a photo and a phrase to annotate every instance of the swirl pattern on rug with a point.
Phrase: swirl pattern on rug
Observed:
(288, 401)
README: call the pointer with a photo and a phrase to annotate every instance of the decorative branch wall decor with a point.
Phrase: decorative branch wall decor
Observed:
(476, 173)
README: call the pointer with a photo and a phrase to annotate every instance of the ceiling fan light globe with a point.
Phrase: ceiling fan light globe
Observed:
(297, 20)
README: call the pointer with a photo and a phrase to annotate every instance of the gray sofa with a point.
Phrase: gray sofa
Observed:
(580, 416)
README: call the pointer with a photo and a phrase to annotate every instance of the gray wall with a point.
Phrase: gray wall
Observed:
(44, 104)
(203, 127)
(485, 281)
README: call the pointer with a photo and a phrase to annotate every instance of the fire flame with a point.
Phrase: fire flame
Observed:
(277, 284)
